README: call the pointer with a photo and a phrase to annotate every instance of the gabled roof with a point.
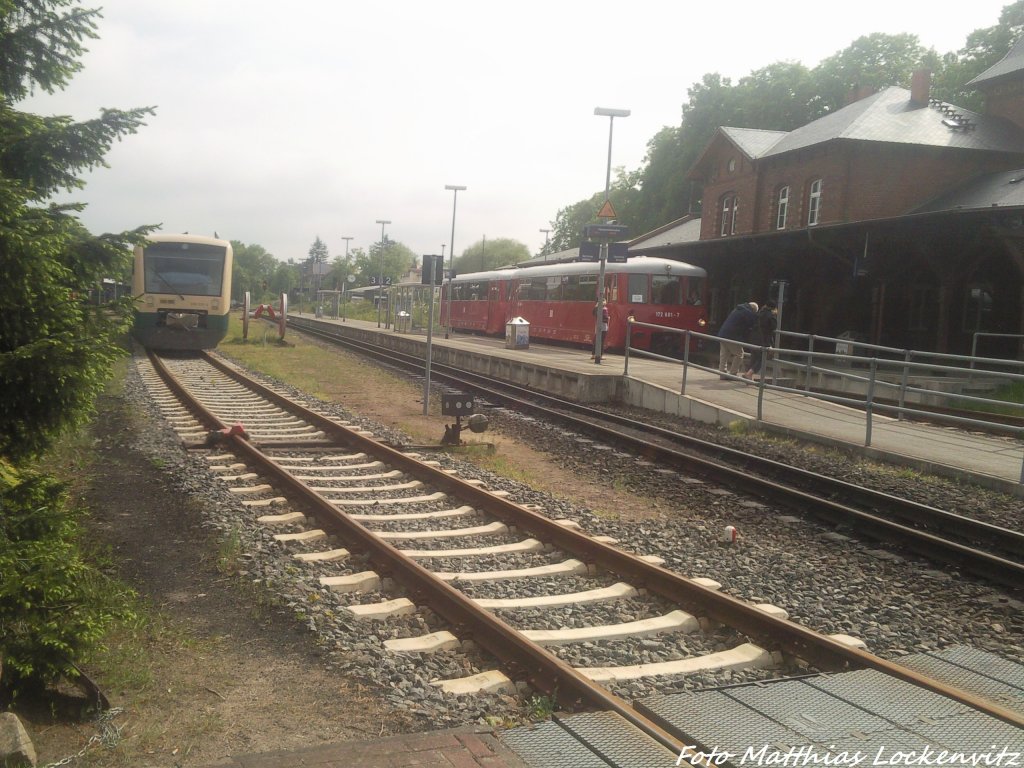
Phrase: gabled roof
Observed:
(1011, 64)
(995, 190)
(678, 232)
(889, 116)
(753, 142)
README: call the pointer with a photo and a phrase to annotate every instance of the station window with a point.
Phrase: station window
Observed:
(730, 206)
(814, 203)
(782, 208)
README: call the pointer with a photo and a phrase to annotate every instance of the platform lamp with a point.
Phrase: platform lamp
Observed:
(347, 239)
(611, 114)
(546, 233)
(455, 188)
(380, 283)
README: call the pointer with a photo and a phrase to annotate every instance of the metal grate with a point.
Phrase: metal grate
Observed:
(718, 720)
(548, 745)
(898, 702)
(984, 674)
(612, 737)
(809, 711)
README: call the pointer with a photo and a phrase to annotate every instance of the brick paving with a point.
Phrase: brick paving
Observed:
(456, 748)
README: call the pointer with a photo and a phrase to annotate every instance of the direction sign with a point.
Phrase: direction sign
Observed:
(616, 231)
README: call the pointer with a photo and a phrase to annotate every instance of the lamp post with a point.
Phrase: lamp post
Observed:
(611, 114)
(546, 233)
(380, 281)
(455, 188)
(346, 239)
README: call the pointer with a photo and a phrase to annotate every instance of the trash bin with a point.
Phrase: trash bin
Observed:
(403, 321)
(845, 347)
(517, 333)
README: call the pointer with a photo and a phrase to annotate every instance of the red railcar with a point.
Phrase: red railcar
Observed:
(558, 300)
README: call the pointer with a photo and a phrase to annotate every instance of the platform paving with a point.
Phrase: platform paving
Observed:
(454, 748)
(992, 461)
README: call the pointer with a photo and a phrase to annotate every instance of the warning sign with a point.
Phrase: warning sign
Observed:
(607, 212)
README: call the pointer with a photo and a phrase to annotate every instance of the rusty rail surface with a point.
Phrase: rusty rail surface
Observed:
(525, 659)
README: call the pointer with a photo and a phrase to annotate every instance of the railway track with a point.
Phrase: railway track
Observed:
(341, 496)
(991, 551)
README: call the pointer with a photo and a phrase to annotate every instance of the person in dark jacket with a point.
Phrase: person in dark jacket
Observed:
(734, 331)
(763, 336)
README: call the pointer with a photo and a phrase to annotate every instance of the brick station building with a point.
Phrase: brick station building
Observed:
(899, 218)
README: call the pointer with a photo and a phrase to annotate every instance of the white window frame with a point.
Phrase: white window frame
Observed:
(783, 207)
(814, 203)
(730, 205)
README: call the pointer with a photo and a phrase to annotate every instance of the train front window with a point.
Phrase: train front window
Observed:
(695, 291)
(184, 268)
(667, 289)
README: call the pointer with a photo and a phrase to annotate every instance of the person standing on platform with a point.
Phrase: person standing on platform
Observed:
(764, 337)
(734, 331)
(602, 307)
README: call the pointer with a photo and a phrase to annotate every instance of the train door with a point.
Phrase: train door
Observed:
(495, 321)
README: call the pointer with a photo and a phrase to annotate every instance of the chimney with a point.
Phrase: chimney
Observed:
(859, 92)
(920, 87)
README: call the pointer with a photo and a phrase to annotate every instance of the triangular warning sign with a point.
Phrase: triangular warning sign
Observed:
(607, 212)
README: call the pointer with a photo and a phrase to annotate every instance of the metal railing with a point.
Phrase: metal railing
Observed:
(900, 373)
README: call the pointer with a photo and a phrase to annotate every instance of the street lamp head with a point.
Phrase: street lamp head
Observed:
(454, 187)
(382, 221)
(609, 112)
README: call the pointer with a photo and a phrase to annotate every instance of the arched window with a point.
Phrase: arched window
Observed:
(782, 208)
(730, 205)
(814, 203)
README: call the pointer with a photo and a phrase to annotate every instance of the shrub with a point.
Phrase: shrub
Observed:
(53, 604)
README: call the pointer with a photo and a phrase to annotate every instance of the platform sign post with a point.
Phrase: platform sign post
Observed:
(246, 302)
(433, 266)
(605, 234)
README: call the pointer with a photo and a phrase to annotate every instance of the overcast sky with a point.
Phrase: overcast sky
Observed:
(280, 122)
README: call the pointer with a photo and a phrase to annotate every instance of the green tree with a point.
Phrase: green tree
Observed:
(983, 48)
(398, 260)
(624, 195)
(316, 264)
(287, 278)
(491, 254)
(253, 269)
(55, 350)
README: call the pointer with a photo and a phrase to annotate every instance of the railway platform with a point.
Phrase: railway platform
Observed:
(991, 461)
(454, 748)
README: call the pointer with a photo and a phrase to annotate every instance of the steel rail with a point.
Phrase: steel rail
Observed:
(542, 669)
(523, 658)
(922, 540)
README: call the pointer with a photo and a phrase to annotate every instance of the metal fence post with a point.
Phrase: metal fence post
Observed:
(810, 364)
(869, 401)
(629, 340)
(686, 361)
(760, 400)
(907, 354)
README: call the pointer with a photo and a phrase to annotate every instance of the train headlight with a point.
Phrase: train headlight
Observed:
(702, 322)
